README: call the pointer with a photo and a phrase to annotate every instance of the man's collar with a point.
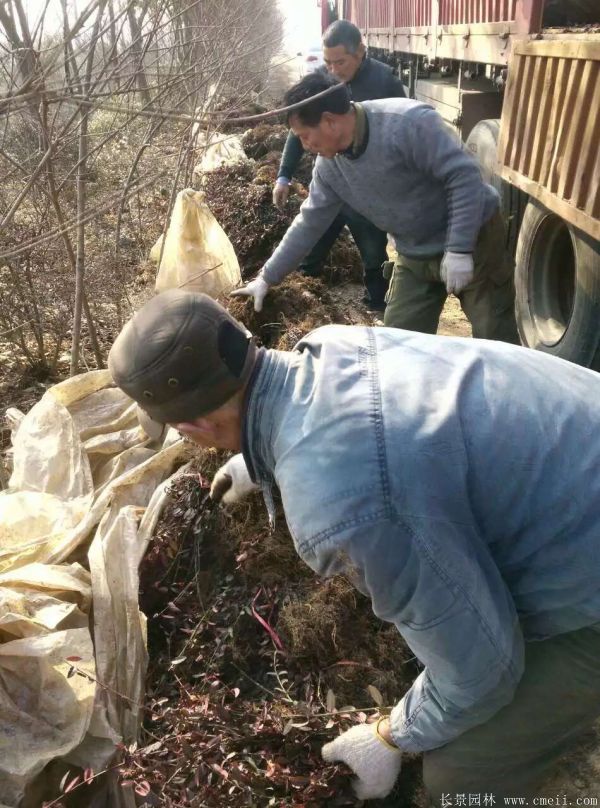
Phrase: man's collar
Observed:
(361, 134)
(360, 70)
(247, 395)
(261, 403)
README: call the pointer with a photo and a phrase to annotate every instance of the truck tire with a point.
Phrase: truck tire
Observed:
(557, 283)
(483, 144)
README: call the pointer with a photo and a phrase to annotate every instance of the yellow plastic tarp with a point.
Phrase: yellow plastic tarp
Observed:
(197, 254)
(219, 150)
(86, 491)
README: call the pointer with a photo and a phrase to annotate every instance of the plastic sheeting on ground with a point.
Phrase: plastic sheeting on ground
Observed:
(85, 494)
(219, 150)
(197, 254)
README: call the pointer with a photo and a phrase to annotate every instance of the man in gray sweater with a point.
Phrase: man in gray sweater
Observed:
(395, 162)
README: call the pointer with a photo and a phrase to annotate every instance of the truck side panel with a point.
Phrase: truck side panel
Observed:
(412, 15)
(469, 30)
(550, 130)
(453, 12)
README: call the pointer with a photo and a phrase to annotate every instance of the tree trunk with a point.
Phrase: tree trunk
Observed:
(135, 26)
(52, 192)
(83, 149)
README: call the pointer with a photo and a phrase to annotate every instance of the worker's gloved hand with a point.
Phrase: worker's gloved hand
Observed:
(281, 193)
(257, 289)
(232, 481)
(456, 271)
(375, 761)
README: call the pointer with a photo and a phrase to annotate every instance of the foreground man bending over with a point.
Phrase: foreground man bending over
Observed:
(455, 482)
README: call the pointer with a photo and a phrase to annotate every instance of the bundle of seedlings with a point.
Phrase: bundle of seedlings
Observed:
(254, 661)
(241, 198)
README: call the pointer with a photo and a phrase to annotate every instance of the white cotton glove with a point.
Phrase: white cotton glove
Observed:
(281, 193)
(257, 289)
(456, 271)
(232, 481)
(375, 762)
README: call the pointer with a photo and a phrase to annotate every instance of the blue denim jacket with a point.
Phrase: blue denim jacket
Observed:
(456, 482)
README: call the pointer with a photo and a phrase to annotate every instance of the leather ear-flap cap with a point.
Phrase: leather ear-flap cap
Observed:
(154, 429)
(181, 356)
(232, 345)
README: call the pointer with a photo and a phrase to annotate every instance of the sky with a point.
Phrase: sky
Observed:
(302, 23)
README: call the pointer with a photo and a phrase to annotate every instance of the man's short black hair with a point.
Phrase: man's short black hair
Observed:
(342, 32)
(337, 101)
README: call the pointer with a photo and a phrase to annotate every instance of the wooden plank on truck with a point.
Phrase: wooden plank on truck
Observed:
(477, 31)
(550, 130)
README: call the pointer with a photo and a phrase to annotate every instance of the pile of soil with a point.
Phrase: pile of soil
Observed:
(254, 662)
(241, 198)
(264, 139)
(290, 310)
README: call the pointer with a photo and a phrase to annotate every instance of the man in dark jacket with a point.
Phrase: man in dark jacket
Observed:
(367, 79)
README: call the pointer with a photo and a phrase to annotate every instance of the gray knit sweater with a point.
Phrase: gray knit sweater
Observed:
(413, 181)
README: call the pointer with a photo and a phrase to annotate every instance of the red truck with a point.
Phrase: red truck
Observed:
(519, 81)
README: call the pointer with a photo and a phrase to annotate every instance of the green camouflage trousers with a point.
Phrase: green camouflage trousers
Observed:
(417, 294)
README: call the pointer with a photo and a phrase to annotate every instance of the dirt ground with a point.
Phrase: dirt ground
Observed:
(577, 776)
(228, 602)
(453, 322)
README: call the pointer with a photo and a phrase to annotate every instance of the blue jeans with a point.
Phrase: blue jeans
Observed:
(371, 244)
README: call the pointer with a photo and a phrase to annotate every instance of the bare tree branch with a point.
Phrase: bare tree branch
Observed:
(95, 116)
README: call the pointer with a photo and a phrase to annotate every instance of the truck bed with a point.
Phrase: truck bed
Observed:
(468, 30)
(550, 128)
